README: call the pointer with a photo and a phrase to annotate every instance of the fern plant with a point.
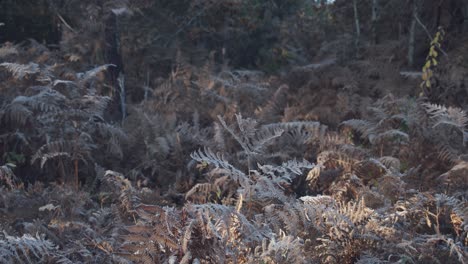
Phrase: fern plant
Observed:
(64, 120)
(28, 249)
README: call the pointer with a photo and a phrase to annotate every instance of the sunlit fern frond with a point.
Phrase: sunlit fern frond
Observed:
(357, 211)
(345, 233)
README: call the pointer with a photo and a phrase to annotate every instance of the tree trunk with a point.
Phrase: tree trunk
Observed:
(113, 56)
(412, 34)
(358, 27)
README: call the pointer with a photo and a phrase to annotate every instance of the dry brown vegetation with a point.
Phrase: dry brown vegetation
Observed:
(241, 132)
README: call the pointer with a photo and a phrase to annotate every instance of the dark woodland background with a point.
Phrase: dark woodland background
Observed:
(233, 131)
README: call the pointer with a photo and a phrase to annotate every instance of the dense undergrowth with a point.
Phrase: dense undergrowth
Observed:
(338, 161)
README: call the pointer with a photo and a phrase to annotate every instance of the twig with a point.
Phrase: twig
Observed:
(423, 26)
(65, 23)
(428, 33)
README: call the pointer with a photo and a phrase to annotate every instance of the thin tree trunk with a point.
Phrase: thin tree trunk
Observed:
(412, 34)
(113, 56)
(358, 27)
